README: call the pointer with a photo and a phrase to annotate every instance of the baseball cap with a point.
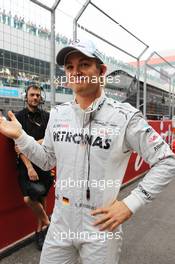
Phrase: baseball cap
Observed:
(88, 48)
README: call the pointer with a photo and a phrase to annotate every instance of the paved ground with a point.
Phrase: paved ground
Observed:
(149, 237)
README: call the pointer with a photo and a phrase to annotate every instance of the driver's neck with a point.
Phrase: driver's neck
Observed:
(86, 100)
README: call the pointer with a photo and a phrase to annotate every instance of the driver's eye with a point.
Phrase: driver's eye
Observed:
(69, 67)
(84, 64)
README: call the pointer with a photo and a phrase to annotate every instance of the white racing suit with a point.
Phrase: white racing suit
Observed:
(91, 148)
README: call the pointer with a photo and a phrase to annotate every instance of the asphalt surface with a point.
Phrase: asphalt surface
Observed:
(149, 237)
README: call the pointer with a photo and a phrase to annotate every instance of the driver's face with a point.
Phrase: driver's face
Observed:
(83, 74)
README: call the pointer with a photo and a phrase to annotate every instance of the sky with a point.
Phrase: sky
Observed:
(151, 21)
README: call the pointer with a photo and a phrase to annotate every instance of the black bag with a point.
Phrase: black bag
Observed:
(36, 190)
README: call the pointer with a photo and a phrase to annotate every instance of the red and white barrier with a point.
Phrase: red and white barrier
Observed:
(136, 166)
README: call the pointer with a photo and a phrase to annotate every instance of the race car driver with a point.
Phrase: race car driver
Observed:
(90, 140)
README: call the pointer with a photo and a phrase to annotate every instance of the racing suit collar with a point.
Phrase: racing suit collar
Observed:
(93, 106)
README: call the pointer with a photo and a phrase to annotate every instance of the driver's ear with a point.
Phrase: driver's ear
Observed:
(103, 69)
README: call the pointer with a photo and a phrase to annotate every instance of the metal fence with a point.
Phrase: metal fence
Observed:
(32, 31)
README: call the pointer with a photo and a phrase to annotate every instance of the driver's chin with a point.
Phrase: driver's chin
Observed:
(80, 88)
(84, 90)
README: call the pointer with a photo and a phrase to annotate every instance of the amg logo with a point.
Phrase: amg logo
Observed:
(159, 146)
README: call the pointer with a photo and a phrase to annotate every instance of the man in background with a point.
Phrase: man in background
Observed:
(34, 122)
